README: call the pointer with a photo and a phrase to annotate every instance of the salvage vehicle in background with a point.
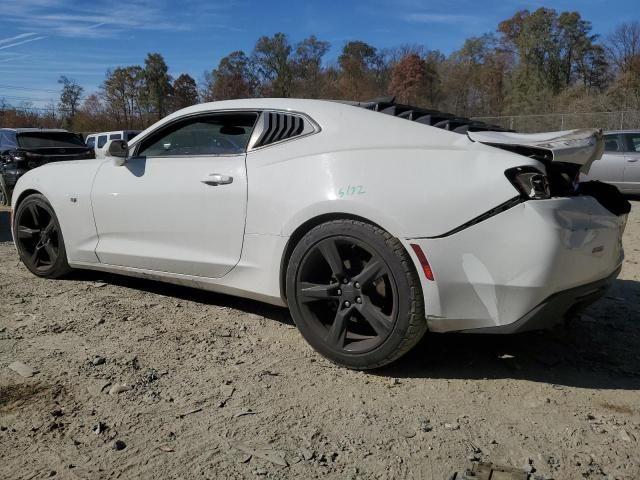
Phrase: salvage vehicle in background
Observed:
(620, 164)
(373, 222)
(22, 149)
(99, 140)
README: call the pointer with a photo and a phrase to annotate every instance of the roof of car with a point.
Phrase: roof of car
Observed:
(112, 132)
(29, 130)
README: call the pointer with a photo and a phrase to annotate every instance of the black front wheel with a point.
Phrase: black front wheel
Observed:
(355, 295)
(39, 239)
(5, 196)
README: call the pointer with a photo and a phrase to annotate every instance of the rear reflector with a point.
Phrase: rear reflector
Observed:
(426, 268)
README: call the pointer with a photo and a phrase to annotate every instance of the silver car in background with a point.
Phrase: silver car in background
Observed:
(620, 164)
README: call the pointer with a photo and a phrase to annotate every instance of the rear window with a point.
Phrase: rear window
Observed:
(115, 136)
(49, 140)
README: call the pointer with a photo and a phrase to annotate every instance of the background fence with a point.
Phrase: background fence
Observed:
(567, 121)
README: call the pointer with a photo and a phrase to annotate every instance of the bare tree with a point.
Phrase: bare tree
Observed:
(69, 97)
(623, 45)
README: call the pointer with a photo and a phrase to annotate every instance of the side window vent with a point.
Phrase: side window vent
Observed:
(279, 126)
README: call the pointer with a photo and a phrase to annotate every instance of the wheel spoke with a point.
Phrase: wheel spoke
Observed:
(35, 215)
(26, 232)
(329, 251)
(35, 256)
(346, 295)
(380, 322)
(50, 226)
(309, 292)
(338, 329)
(372, 271)
(53, 254)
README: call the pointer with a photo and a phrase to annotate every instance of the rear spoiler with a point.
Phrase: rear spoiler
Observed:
(579, 147)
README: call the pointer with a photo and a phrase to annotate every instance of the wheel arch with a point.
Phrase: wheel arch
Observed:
(24, 194)
(14, 205)
(302, 230)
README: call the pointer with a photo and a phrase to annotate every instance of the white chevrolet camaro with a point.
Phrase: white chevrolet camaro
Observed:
(372, 222)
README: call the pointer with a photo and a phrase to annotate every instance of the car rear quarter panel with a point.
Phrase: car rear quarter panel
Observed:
(409, 179)
(67, 187)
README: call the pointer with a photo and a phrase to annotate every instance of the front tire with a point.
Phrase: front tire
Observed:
(39, 239)
(354, 294)
(5, 194)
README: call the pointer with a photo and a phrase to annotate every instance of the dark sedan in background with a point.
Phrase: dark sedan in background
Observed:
(22, 149)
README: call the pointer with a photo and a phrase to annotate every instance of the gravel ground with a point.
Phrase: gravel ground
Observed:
(136, 379)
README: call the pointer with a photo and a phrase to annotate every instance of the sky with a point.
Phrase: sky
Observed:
(40, 40)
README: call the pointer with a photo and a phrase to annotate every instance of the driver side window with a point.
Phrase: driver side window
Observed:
(217, 134)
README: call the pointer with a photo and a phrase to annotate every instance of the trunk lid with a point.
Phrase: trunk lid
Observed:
(577, 147)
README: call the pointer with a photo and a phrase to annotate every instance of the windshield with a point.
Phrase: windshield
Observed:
(49, 140)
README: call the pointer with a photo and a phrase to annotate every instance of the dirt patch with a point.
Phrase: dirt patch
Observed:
(618, 408)
(13, 397)
(145, 380)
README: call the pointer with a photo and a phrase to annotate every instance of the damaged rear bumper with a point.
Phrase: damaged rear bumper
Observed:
(523, 268)
(556, 308)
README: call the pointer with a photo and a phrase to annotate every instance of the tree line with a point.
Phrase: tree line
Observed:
(540, 61)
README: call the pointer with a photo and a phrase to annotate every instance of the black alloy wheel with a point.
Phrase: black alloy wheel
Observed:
(354, 294)
(39, 239)
(4, 196)
(347, 292)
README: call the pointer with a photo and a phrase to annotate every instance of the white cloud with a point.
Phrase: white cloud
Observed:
(109, 18)
(17, 37)
(2, 47)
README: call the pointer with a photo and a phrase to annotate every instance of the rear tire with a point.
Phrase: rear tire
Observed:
(355, 295)
(39, 239)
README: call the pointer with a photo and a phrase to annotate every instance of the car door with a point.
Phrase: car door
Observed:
(632, 162)
(179, 204)
(101, 141)
(610, 168)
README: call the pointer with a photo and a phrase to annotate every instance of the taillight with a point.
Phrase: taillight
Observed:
(530, 182)
(424, 263)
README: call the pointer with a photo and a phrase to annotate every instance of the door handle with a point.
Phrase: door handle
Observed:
(217, 179)
(631, 160)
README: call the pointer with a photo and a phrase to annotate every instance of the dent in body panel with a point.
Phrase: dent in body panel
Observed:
(493, 273)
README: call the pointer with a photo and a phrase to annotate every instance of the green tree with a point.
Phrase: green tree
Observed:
(553, 51)
(476, 77)
(359, 64)
(154, 97)
(185, 92)
(234, 78)
(307, 67)
(272, 57)
(121, 93)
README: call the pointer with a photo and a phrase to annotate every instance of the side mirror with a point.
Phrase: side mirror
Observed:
(119, 150)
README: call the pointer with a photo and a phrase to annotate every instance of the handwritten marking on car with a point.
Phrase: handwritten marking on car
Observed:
(351, 190)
